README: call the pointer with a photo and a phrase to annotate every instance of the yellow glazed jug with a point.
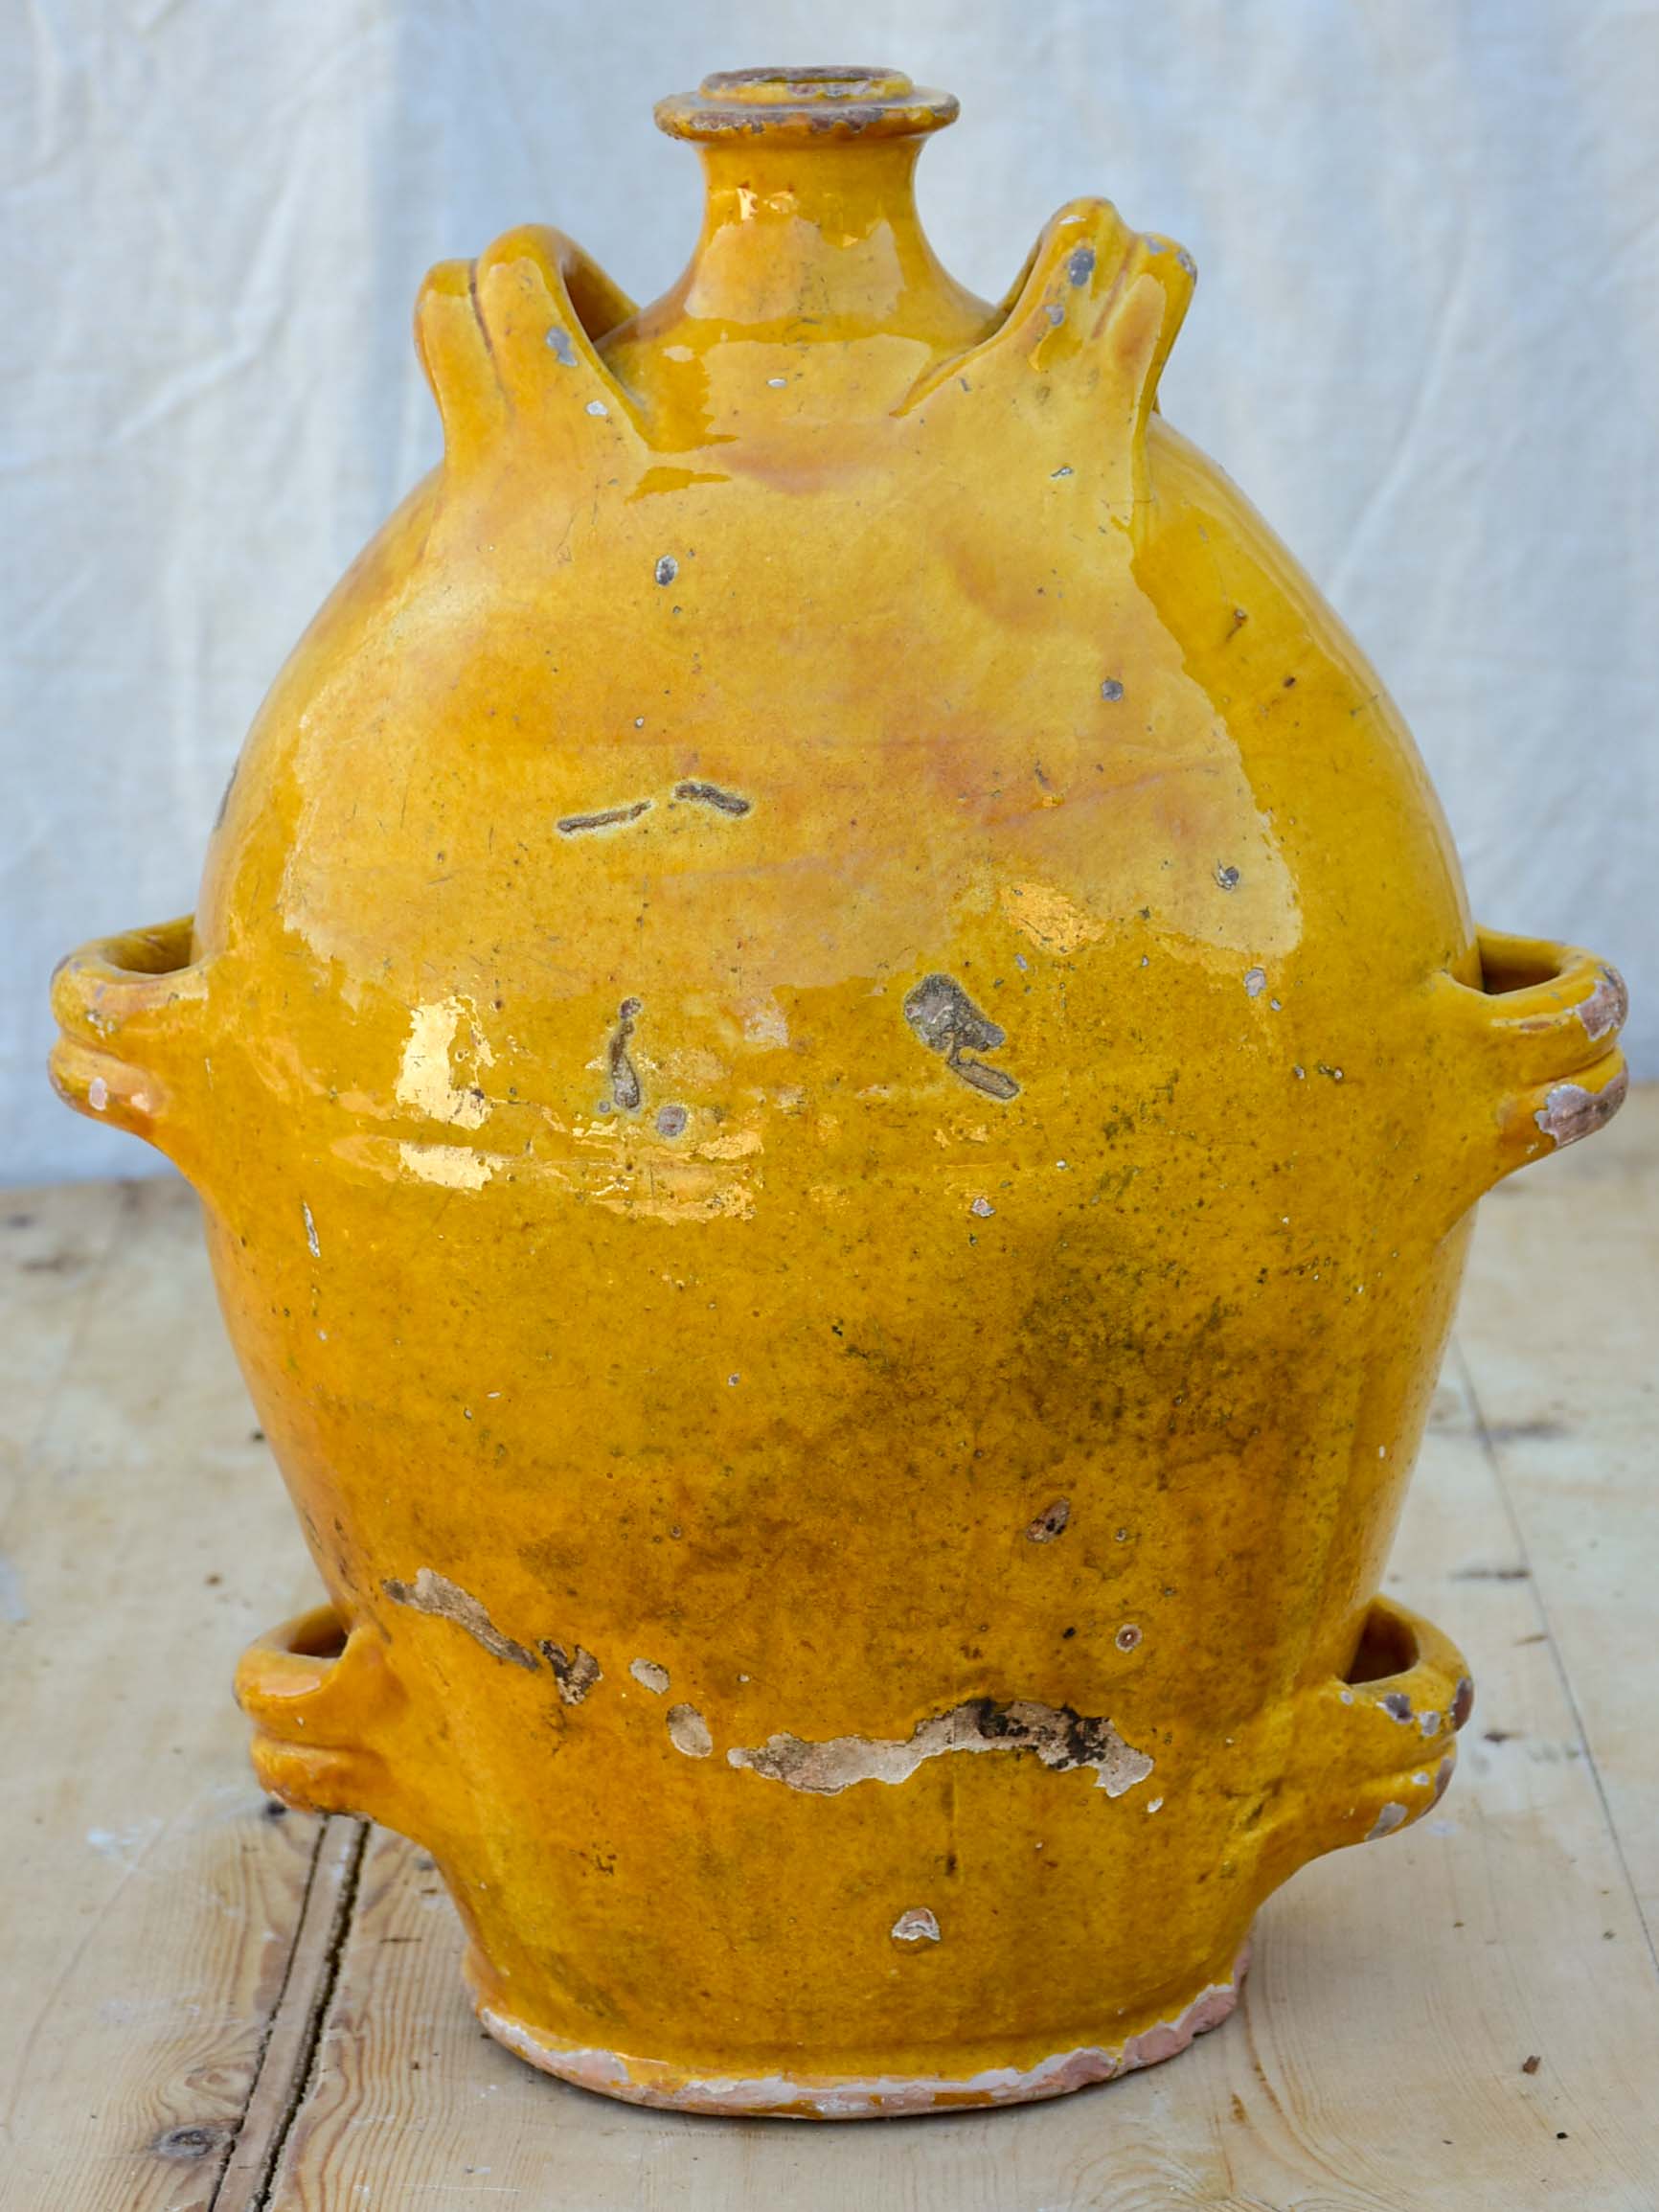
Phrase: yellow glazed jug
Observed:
(838, 1068)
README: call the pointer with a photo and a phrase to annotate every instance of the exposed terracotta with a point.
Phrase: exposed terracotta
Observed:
(838, 1068)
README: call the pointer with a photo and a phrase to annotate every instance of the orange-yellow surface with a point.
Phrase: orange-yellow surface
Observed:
(838, 1065)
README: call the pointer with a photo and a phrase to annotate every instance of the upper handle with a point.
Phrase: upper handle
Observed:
(1071, 367)
(509, 344)
(132, 1015)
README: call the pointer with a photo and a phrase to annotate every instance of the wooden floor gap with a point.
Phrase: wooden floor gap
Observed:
(1494, 1460)
(262, 2054)
(285, 2071)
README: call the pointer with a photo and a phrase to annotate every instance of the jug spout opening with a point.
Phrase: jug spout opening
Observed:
(804, 107)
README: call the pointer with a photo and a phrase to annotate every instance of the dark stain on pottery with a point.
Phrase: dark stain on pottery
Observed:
(625, 1081)
(576, 1671)
(949, 1022)
(712, 795)
(1051, 1523)
(607, 817)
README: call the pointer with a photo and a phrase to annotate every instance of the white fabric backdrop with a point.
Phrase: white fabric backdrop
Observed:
(1424, 342)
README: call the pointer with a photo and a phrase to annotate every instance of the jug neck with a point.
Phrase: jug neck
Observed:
(810, 227)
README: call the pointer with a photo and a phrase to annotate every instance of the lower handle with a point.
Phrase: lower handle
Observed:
(325, 1706)
(1374, 1747)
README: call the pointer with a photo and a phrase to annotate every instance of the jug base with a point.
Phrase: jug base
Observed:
(640, 2080)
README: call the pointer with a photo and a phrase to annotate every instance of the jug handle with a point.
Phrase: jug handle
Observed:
(131, 1012)
(321, 1698)
(510, 346)
(1375, 1745)
(1079, 344)
(1541, 1031)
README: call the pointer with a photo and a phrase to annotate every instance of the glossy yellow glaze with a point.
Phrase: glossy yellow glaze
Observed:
(838, 1068)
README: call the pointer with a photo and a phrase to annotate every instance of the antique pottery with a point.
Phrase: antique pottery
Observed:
(837, 1067)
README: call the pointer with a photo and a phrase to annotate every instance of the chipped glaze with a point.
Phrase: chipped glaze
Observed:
(1060, 1738)
(837, 1060)
(783, 2095)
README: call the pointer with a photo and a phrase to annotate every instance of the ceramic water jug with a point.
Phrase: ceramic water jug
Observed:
(837, 1067)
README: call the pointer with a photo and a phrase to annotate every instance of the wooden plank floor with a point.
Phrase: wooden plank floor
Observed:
(214, 2008)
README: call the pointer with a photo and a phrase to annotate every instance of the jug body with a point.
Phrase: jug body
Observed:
(838, 1068)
